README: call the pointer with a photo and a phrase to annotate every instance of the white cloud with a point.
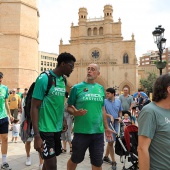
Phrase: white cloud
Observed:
(138, 17)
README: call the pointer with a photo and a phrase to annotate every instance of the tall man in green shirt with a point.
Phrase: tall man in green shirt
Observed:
(4, 122)
(86, 104)
(47, 111)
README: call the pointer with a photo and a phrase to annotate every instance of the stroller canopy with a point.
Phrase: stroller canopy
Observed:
(127, 131)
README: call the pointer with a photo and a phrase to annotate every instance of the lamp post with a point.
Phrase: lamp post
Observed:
(116, 88)
(159, 39)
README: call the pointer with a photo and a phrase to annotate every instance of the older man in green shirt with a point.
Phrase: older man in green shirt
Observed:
(86, 104)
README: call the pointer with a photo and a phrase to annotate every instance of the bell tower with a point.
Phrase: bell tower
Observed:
(108, 19)
(19, 25)
(108, 10)
(82, 22)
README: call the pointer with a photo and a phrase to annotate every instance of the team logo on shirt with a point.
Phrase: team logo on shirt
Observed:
(13, 99)
(93, 97)
(51, 151)
(85, 90)
(59, 91)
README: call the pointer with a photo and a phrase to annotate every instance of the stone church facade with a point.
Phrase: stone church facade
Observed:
(19, 25)
(100, 41)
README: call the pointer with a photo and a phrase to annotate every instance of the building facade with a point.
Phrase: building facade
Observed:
(47, 61)
(147, 63)
(100, 41)
(19, 26)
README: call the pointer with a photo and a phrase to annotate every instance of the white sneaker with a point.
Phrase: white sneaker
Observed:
(28, 161)
(40, 167)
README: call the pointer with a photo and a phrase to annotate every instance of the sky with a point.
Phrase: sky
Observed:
(137, 17)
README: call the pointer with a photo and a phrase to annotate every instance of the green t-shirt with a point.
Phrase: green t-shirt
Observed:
(20, 94)
(154, 123)
(3, 97)
(89, 97)
(51, 111)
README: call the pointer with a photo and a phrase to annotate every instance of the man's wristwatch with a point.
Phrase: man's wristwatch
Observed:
(37, 133)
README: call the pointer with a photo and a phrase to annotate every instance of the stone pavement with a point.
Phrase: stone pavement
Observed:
(16, 159)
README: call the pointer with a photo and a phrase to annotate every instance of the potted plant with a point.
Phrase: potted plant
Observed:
(160, 64)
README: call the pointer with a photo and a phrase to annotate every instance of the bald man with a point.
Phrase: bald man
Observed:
(86, 104)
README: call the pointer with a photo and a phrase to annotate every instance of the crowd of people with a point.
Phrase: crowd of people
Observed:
(96, 115)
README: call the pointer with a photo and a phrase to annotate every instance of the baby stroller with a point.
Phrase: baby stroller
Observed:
(126, 145)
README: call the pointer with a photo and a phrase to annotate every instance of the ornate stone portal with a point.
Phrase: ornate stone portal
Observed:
(99, 40)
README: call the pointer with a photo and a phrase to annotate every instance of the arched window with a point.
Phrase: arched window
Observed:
(95, 31)
(125, 59)
(89, 32)
(101, 31)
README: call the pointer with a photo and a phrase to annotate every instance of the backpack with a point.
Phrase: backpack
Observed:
(26, 126)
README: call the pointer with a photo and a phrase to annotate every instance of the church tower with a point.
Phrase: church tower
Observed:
(108, 10)
(82, 22)
(19, 23)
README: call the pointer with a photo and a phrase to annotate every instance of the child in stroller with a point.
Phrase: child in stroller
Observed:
(127, 142)
(127, 120)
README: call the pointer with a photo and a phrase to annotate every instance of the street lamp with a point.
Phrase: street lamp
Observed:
(159, 39)
(116, 88)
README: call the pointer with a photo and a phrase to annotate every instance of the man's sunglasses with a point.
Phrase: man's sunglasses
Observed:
(71, 65)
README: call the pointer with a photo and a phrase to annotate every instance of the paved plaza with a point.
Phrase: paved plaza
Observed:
(17, 157)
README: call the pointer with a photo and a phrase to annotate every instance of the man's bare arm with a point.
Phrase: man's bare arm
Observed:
(8, 110)
(35, 104)
(143, 152)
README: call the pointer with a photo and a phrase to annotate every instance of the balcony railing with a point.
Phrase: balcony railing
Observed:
(95, 19)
